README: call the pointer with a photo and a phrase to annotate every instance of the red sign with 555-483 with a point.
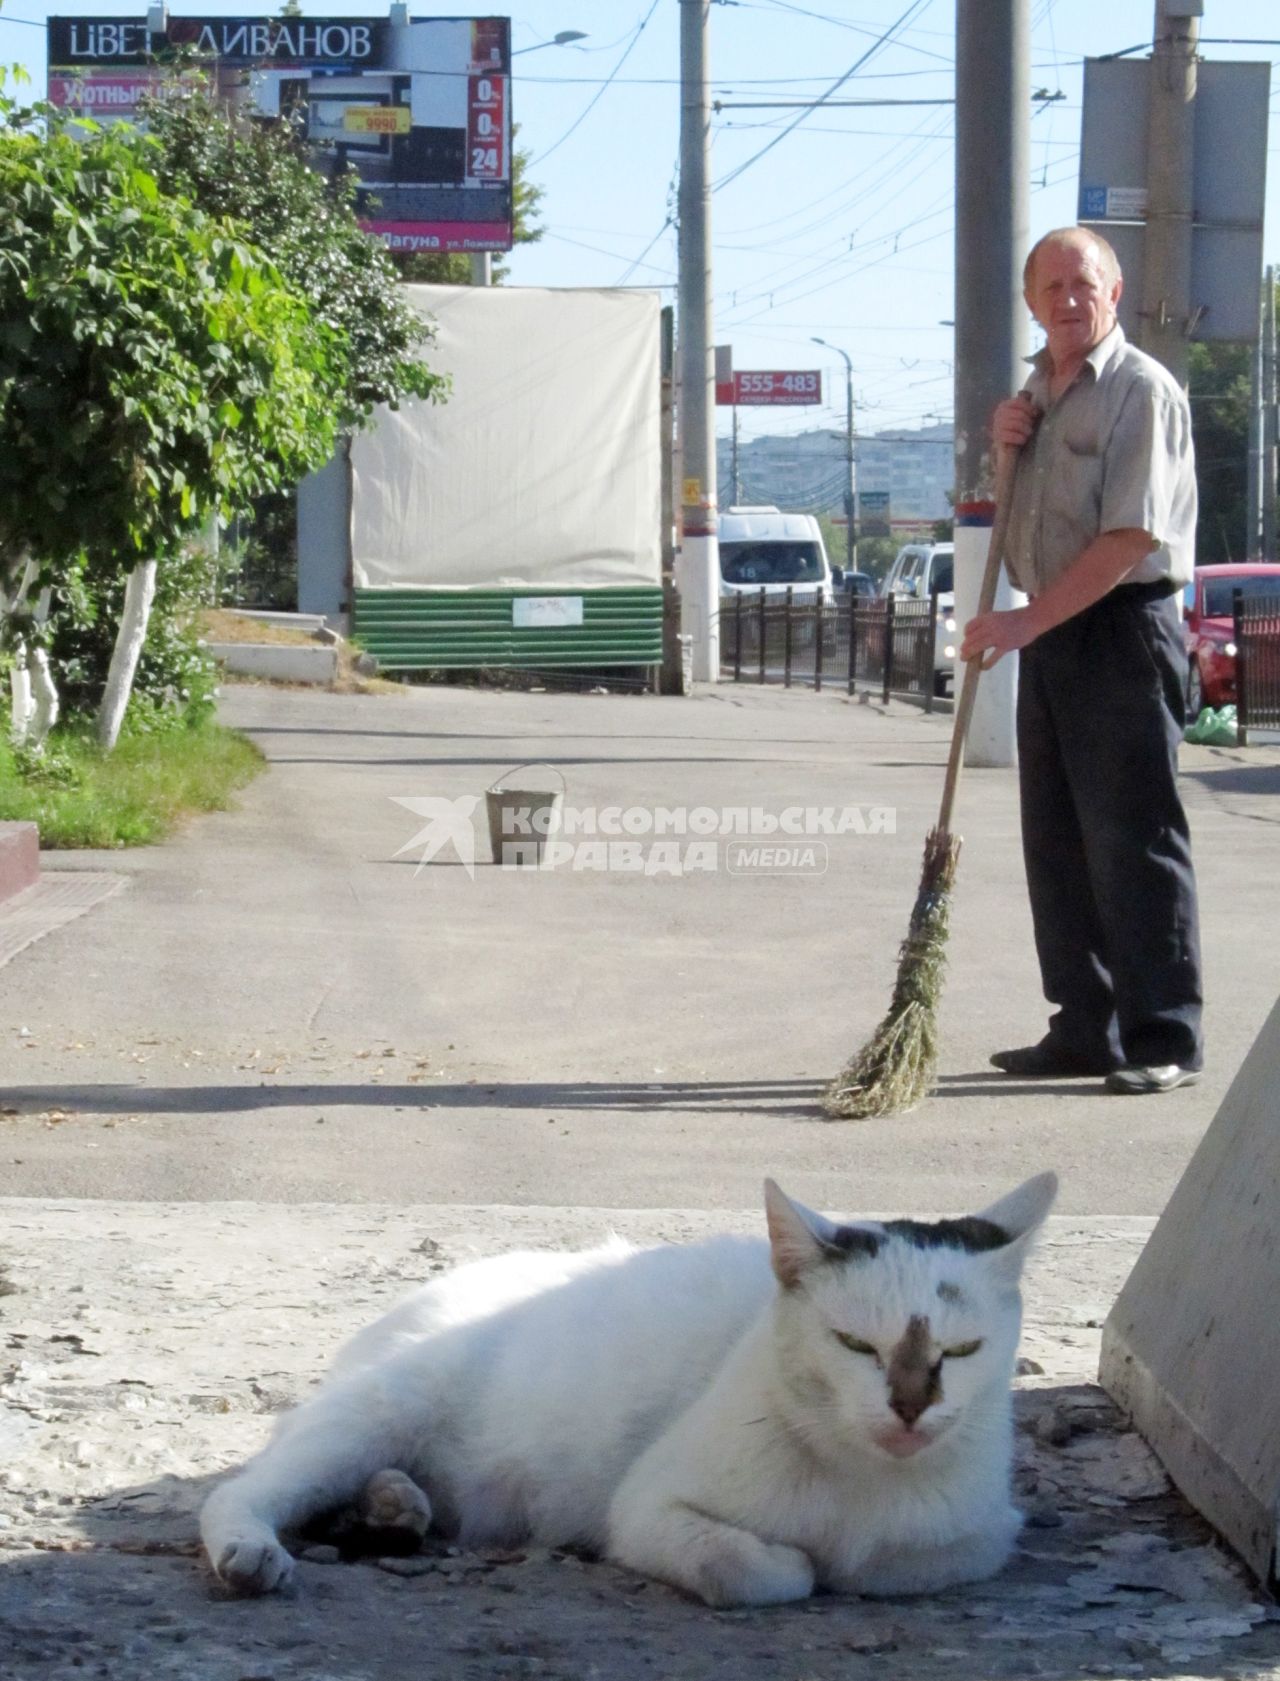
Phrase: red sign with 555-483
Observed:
(771, 387)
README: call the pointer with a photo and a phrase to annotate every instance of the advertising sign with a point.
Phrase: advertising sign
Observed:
(420, 111)
(761, 387)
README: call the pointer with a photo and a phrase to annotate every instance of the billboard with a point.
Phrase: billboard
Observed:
(874, 514)
(420, 111)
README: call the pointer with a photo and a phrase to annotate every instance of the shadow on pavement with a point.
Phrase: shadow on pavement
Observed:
(797, 1097)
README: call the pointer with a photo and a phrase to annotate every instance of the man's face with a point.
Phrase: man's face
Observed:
(1072, 298)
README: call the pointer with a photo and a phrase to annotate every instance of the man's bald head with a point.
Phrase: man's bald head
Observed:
(1082, 239)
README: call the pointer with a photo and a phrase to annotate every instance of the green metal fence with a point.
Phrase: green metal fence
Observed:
(423, 630)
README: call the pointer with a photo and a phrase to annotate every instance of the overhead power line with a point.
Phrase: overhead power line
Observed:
(608, 82)
(912, 10)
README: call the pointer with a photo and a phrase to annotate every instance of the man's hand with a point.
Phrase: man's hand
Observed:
(995, 634)
(1014, 421)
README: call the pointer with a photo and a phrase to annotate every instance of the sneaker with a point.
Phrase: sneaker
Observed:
(1136, 1081)
(1049, 1062)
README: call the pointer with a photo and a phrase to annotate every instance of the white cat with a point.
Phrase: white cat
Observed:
(844, 1422)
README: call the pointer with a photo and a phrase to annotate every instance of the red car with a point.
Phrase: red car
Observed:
(1208, 629)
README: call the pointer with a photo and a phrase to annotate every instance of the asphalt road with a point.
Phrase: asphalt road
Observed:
(283, 1006)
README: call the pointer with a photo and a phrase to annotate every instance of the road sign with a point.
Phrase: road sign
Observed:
(1228, 192)
(767, 388)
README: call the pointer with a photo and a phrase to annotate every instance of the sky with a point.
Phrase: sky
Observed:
(844, 228)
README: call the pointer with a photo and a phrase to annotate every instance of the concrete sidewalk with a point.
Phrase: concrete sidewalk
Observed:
(146, 1345)
(280, 1007)
(285, 1074)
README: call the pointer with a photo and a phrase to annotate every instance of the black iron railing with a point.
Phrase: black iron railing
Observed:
(886, 644)
(1257, 639)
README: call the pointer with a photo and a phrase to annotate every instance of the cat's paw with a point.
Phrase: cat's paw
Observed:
(743, 1570)
(251, 1566)
(391, 1500)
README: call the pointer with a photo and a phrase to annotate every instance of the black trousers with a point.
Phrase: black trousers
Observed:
(1105, 838)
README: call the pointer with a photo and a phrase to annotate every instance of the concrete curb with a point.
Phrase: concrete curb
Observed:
(19, 858)
(277, 661)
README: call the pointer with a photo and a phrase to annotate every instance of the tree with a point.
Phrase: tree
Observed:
(154, 366)
(258, 173)
(1220, 390)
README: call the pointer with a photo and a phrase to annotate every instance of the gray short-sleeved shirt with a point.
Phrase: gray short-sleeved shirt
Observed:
(1113, 453)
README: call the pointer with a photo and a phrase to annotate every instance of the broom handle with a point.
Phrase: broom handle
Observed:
(1006, 466)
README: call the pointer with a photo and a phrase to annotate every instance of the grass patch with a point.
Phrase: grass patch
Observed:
(220, 625)
(79, 796)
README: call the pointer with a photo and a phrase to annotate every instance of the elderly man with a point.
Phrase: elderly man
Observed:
(1101, 540)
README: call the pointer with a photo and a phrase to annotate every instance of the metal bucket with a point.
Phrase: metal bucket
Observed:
(522, 820)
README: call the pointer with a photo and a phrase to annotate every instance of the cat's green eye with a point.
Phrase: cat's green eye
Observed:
(855, 1345)
(963, 1350)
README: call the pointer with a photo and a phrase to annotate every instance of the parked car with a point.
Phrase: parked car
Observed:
(854, 583)
(920, 570)
(763, 548)
(1208, 628)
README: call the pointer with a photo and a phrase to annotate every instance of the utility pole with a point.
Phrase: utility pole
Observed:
(735, 477)
(1253, 495)
(1269, 417)
(851, 481)
(700, 549)
(993, 104)
(1166, 321)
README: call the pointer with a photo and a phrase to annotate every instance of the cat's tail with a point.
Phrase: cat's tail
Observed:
(313, 1467)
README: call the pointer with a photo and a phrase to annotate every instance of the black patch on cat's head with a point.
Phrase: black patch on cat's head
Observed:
(972, 1233)
(852, 1243)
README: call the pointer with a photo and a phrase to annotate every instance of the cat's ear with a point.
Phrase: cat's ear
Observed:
(1021, 1214)
(798, 1238)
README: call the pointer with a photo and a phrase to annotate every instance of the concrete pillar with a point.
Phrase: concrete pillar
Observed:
(993, 107)
(1191, 1350)
(324, 537)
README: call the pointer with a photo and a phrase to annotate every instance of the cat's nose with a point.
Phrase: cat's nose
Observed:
(908, 1407)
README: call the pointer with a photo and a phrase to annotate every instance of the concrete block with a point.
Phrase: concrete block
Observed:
(279, 661)
(306, 622)
(1191, 1349)
(19, 858)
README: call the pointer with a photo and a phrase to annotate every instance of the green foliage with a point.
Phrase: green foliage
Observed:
(260, 176)
(154, 365)
(136, 795)
(873, 555)
(876, 555)
(259, 560)
(1220, 384)
(176, 679)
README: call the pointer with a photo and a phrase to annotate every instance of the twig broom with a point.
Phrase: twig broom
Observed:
(894, 1069)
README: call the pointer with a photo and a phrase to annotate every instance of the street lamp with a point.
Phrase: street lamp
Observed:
(561, 40)
(851, 493)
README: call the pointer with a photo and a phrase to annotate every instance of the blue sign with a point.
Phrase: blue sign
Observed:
(1093, 204)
